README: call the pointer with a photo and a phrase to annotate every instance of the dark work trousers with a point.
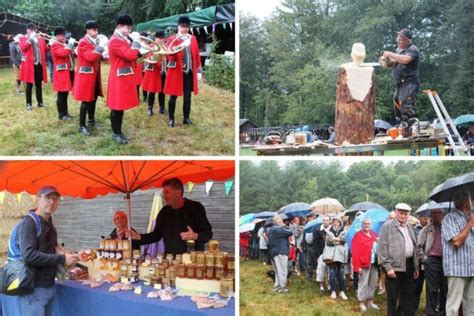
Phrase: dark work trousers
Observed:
(436, 286)
(302, 261)
(116, 118)
(61, 101)
(161, 95)
(400, 292)
(151, 99)
(187, 89)
(404, 97)
(38, 80)
(88, 108)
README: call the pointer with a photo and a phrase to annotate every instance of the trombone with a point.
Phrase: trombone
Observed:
(180, 42)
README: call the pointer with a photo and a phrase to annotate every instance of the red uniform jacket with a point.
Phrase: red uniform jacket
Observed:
(362, 250)
(27, 68)
(174, 75)
(122, 88)
(87, 71)
(62, 66)
(152, 78)
(138, 73)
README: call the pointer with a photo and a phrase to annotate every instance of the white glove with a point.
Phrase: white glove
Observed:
(51, 42)
(71, 42)
(32, 35)
(199, 76)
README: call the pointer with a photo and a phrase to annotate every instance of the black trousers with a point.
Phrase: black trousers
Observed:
(88, 108)
(187, 90)
(404, 96)
(116, 118)
(61, 101)
(38, 80)
(161, 95)
(436, 286)
(400, 292)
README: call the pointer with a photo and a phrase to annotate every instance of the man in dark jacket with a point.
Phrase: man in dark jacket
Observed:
(179, 221)
(40, 253)
(15, 57)
(279, 248)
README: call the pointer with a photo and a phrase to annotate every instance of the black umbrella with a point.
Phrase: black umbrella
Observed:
(445, 191)
(364, 206)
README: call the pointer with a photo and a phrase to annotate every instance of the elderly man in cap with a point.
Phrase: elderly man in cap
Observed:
(430, 253)
(15, 57)
(40, 252)
(279, 248)
(183, 73)
(397, 255)
(458, 254)
(406, 76)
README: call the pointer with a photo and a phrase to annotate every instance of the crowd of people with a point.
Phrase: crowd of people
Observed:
(78, 70)
(434, 251)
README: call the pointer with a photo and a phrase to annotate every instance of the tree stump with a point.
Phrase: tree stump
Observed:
(355, 104)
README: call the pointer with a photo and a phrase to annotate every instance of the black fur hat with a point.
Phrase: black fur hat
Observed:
(124, 19)
(91, 24)
(60, 30)
(184, 20)
(31, 26)
(160, 34)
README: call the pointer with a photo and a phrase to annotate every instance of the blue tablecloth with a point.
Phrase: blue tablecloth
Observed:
(72, 298)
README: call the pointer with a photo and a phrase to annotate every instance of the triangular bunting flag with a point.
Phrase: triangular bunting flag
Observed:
(213, 28)
(208, 186)
(205, 30)
(19, 196)
(190, 186)
(228, 186)
(230, 24)
(2, 197)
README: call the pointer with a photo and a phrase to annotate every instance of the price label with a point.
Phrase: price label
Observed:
(157, 286)
(138, 290)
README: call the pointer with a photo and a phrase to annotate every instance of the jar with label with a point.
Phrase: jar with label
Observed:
(190, 246)
(124, 270)
(120, 244)
(200, 271)
(213, 246)
(165, 282)
(181, 270)
(219, 271)
(136, 254)
(125, 245)
(159, 258)
(230, 264)
(226, 287)
(176, 262)
(179, 258)
(166, 263)
(194, 257)
(220, 259)
(119, 254)
(172, 272)
(147, 261)
(113, 244)
(210, 259)
(210, 272)
(170, 257)
(135, 275)
(201, 258)
(162, 270)
(106, 251)
(190, 271)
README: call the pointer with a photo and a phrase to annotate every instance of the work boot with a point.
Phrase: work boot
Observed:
(29, 107)
(119, 139)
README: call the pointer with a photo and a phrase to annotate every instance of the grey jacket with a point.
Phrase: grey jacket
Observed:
(391, 248)
(15, 54)
(425, 241)
(339, 252)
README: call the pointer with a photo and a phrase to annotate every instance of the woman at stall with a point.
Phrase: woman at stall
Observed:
(121, 223)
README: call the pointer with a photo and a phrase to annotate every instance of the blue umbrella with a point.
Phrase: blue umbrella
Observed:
(295, 209)
(426, 208)
(266, 214)
(380, 124)
(464, 120)
(364, 206)
(247, 218)
(315, 222)
(378, 217)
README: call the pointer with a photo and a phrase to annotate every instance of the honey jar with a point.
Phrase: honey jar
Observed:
(219, 272)
(210, 259)
(209, 272)
(226, 287)
(190, 271)
(200, 271)
(181, 270)
(213, 246)
(200, 258)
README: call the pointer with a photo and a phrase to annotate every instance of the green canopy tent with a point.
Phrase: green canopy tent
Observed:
(216, 19)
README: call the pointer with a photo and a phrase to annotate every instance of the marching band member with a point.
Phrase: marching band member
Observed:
(33, 64)
(88, 83)
(63, 73)
(138, 69)
(122, 89)
(160, 35)
(183, 72)
(152, 83)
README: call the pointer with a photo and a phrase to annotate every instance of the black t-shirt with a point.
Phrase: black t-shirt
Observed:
(170, 223)
(408, 72)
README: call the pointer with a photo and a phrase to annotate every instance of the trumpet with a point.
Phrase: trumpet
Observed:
(46, 36)
(104, 43)
(175, 46)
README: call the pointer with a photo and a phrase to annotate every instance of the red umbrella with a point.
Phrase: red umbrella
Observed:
(90, 178)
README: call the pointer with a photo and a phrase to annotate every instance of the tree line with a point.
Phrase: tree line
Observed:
(269, 185)
(289, 62)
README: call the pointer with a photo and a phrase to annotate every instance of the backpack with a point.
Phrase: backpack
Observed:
(17, 277)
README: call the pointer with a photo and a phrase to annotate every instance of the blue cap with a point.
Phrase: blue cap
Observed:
(47, 190)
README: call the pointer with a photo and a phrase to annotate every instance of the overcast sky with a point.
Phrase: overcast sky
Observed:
(258, 8)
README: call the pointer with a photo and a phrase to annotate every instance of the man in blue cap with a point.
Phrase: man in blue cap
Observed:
(406, 76)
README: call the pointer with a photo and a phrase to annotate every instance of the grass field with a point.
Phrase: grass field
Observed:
(257, 297)
(39, 132)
